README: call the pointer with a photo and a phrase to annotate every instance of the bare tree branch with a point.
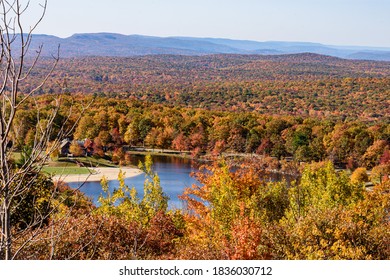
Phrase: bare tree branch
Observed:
(16, 68)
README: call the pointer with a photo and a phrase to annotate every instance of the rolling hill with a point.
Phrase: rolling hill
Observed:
(117, 45)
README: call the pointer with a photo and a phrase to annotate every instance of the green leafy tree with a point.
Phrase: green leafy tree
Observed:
(322, 187)
(143, 214)
(125, 202)
(154, 199)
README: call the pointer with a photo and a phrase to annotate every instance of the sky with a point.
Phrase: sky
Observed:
(332, 22)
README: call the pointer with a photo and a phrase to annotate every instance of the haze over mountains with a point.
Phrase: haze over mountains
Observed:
(111, 44)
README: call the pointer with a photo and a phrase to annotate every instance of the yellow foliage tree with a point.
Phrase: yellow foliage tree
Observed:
(359, 176)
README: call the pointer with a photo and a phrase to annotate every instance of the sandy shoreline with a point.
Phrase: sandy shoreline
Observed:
(111, 173)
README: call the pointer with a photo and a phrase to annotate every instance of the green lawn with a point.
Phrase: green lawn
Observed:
(90, 161)
(58, 170)
(68, 166)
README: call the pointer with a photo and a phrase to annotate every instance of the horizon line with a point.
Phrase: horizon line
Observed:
(220, 38)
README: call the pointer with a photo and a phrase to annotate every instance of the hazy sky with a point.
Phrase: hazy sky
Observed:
(338, 22)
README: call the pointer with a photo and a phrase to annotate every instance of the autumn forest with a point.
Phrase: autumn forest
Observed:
(323, 121)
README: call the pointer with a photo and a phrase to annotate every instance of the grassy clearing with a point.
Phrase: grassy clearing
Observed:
(62, 164)
(75, 166)
(93, 162)
(81, 161)
(69, 170)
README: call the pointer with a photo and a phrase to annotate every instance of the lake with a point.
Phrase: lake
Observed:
(174, 173)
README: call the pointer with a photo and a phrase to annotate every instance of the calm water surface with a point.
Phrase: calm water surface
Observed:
(174, 176)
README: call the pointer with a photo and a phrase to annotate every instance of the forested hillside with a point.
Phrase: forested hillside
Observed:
(301, 115)
(303, 84)
(288, 143)
(111, 123)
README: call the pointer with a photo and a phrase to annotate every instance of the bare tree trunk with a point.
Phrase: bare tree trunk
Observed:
(15, 182)
(5, 244)
(7, 225)
(5, 207)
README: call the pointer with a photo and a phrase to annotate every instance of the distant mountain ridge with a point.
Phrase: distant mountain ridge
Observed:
(118, 45)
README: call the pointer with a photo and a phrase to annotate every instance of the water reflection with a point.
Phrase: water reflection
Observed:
(174, 176)
(174, 173)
